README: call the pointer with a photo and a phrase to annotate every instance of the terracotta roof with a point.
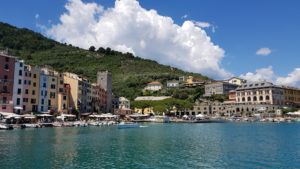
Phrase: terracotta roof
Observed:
(154, 83)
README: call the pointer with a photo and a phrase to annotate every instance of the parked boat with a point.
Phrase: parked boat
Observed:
(30, 126)
(6, 127)
(124, 125)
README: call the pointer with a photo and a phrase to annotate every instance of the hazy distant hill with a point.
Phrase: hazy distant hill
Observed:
(130, 74)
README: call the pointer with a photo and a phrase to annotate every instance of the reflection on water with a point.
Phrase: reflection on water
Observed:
(230, 145)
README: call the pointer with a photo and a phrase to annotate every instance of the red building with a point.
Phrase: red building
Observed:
(7, 67)
(99, 99)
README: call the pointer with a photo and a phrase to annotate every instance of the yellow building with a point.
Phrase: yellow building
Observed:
(73, 80)
(291, 95)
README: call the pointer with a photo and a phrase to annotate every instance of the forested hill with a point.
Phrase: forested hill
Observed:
(130, 74)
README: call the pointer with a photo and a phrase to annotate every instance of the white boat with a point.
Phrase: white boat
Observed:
(57, 124)
(124, 125)
(30, 126)
(5, 127)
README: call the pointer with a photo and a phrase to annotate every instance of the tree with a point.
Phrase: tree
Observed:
(92, 49)
(101, 50)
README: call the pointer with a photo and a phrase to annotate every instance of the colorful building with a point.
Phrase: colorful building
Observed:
(7, 67)
(18, 91)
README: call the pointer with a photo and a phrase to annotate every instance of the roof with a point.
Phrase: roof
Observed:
(152, 98)
(255, 85)
(154, 83)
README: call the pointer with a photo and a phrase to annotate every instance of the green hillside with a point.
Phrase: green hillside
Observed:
(130, 74)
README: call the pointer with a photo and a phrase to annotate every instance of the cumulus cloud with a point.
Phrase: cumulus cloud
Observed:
(293, 78)
(263, 74)
(264, 51)
(128, 27)
(267, 74)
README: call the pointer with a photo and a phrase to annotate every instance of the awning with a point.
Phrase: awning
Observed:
(138, 115)
(44, 115)
(18, 108)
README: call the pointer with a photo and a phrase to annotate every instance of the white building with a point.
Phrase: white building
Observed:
(172, 84)
(124, 103)
(153, 86)
(18, 86)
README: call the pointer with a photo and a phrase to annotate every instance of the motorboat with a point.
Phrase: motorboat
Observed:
(6, 127)
(30, 126)
(124, 125)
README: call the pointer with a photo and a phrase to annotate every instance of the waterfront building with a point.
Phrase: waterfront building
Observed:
(291, 96)
(85, 95)
(18, 89)
(172, 84)
(27, 107)
(34, 91)
(63, 99)
(219, 88)
(153, 86)
(236, 81)
(99, 102)
(104, 80)
(43, 92)
(260, 93)
(7, 68)
(123, 107)
(207, 107)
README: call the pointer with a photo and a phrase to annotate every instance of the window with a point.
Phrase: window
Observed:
(34, 84)
(49, 102)
(20, 72)
(26, 91)
(6, 67)
(5, 78)
(61, 82)
(42, 92)
(25, 82)
(5, 89)
(3, 107)
(4, 100)
(44, 84)
(42, 101)
(254, 98)
(20, 81)
(33, 92)
(52, 86)
(249, 99)
(33, 101)
(6, 59)
(19, 91)
(21, 64)
(18, 101)
(53, 80)
(52, 95)
(29, 82)
(267, 97)
(65, 97)
(34, 75)
(261, 98)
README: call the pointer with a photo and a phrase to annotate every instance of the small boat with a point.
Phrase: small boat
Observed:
(124, 125)
(30, 126)
(6, 127)
(57, 124)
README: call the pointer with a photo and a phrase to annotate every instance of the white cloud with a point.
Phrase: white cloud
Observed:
(293, 78)
(264, 51)
(203, 24)
(184, 16)
(37, 16)
(260, 75)
(129, 27)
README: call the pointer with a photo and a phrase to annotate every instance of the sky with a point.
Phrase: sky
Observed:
(254, 39)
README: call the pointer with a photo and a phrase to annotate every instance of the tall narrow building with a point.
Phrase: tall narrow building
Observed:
(104, 79)
(6, 82)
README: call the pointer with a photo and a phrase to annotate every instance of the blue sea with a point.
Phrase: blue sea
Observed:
(158, 146)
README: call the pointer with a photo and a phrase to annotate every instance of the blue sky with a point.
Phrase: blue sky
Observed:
(241, 27)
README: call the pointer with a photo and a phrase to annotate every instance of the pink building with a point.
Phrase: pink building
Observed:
(7, 67)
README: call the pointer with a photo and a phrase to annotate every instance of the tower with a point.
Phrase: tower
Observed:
(104, 79)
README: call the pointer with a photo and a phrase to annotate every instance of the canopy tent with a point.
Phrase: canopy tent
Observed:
(95, 116)
(18, 108)
(28, 116)
(200, 116)
(44, 115)
(294, 113)
(138, 115)
(107, 115)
